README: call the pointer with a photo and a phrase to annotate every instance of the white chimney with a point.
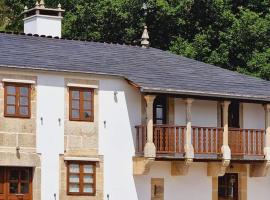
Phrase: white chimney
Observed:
(43, 21)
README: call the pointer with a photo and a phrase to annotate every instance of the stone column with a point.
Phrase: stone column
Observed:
(149, 148)
(225, 149)
(189, 150)
(267, 134)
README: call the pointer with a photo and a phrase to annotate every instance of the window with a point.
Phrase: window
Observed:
(15, 182)
(17, 100)
(81, 104)
(160, 110)
(234, 115)
(228, 187)
(81, 178)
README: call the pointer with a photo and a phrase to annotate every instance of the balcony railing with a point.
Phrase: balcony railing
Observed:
(170, 139)
(207, 140)
(167, 139)
(248, 142)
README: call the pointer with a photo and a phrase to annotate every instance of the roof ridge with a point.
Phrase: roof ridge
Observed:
(66, 38)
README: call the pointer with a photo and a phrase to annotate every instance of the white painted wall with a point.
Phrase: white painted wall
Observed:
(253, 116)
(258, 188)
(43, 25)
(121, 113)
(196, 185)
(203, 113)
(50, 133)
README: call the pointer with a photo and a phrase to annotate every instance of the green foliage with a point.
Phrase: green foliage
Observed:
(232, 34)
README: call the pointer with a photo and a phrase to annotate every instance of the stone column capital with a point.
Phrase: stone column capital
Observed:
(225, 103)
(266, 107)
(189, 101)
(149, 99)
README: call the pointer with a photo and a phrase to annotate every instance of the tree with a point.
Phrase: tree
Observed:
(233, 34)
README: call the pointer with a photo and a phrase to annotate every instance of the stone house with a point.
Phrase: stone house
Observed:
(84, 120)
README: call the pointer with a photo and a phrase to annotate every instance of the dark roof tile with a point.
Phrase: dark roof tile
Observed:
(152, 69)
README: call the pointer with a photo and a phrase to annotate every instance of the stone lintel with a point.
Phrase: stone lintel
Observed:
(19, 159)
(141, 165)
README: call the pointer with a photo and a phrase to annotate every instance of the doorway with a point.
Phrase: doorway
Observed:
(228, 187)
(15, 183)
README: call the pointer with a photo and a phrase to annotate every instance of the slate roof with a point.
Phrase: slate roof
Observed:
(151, 69)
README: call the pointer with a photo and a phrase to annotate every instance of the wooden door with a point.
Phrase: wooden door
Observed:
(228, 187)
(17, 183)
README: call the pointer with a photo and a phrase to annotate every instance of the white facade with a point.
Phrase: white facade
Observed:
(50, 132)
(119, 111)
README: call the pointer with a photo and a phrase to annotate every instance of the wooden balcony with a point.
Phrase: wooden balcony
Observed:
(247, 142)
(207, 141)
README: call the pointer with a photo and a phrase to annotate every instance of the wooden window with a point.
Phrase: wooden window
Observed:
(17, 100)
(81, 106)
(81, 178)
(160, 110)
(15, 183)
(228, 187)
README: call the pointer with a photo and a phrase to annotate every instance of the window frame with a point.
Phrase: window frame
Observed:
(81, 100)
(160, 102)
(81, 175)
(17, 99)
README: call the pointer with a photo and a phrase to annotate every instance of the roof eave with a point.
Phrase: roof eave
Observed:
(205, 94)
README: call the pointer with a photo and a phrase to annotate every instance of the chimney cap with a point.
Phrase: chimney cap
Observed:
(145, 37)
(42, 4)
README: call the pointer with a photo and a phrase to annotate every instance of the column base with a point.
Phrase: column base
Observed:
(189, 151)
(266, 151)
(150, 150)
(226, 152)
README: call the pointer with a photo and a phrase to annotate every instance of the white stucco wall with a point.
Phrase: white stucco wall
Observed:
(253, 116)
(258, 188)
(203, 113)
(120, 112)
(50, 133)
(195, 185)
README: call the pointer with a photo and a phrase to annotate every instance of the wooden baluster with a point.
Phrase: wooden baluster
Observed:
(199, 140)
(242, 145)
(204, 141)
(214, 140)
(246, 142)
(262, 141)
(194, 139)
(251, 142)
(183, 139)
(209, 139)
(177, 140)
(220, 139)
(173, 149)
(157, 142)
(167, 139)
(256, 143)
